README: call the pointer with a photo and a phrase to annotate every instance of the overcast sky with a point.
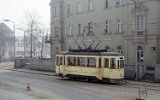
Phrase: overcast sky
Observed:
(15, 10)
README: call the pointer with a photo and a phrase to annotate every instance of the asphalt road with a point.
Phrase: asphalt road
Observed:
(13, 85)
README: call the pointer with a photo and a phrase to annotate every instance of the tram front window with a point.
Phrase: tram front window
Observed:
(57, 60)
(112, 63)
(121, 63)
(61, 60)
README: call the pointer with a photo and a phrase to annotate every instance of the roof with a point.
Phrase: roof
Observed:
(91, 53)
(4, 29)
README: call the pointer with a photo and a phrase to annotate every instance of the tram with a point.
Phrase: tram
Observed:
(102, 66)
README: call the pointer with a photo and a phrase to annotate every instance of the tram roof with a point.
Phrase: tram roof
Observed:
(92, 53)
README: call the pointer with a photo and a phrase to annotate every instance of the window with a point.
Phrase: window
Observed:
(119, 49)
(90, 5)
(71, 61)
(57, 11)
(106, 62)
(119, 26)
(90, 29)
(121, 63)
(69, 9)
(140, 23)
(112, 63)
(139, 0)
(17, 44)
(79, 8)
(57, 59)
(118, 64)
(107, 3)
(61, 60)
(91, 62)
(79, 30)
(69, 48)
(107, 27)
(56, 32)
(80, 61)
(100, 63)
(70, 30)
(140, 55)
(108, 49)
(118, 2)
(56, 50)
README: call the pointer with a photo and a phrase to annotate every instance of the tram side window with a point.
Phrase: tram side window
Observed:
(106, 62)
(57, 60)
(80, 61)
(112, 63)
(71, 61)
(61, 60)
(64, 62)
(121, 63)
(118, 64)
(91, 62)
(100, 63)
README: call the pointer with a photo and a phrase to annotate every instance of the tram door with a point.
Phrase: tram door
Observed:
(59, 64)
(106, 66)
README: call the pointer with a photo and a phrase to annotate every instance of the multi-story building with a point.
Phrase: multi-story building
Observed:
(130, 27)
(6, 43)
(23, 48)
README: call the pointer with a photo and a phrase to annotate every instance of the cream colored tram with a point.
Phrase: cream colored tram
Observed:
(105, 66)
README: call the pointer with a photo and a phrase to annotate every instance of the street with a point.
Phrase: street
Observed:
(48, 86)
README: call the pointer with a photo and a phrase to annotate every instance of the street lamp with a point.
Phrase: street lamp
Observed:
(23, 41)
(7, 20)
(136, 62)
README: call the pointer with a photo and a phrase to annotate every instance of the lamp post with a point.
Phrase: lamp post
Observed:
(7, 20)
(136, 62)
(42, 44)
(24, 42)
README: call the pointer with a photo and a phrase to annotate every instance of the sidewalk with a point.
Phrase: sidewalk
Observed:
(33, 71)
(6, 65)
(150, 86)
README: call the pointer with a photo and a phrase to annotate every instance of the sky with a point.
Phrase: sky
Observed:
(15, 10)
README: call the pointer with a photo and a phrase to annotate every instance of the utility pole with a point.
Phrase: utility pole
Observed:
(24, 44)
(42, 44)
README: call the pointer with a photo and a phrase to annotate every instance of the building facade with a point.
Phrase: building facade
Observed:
(6, 43)
(130, 27)
(23, 48)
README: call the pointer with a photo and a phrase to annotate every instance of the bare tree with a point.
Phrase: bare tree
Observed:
(32, 27)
